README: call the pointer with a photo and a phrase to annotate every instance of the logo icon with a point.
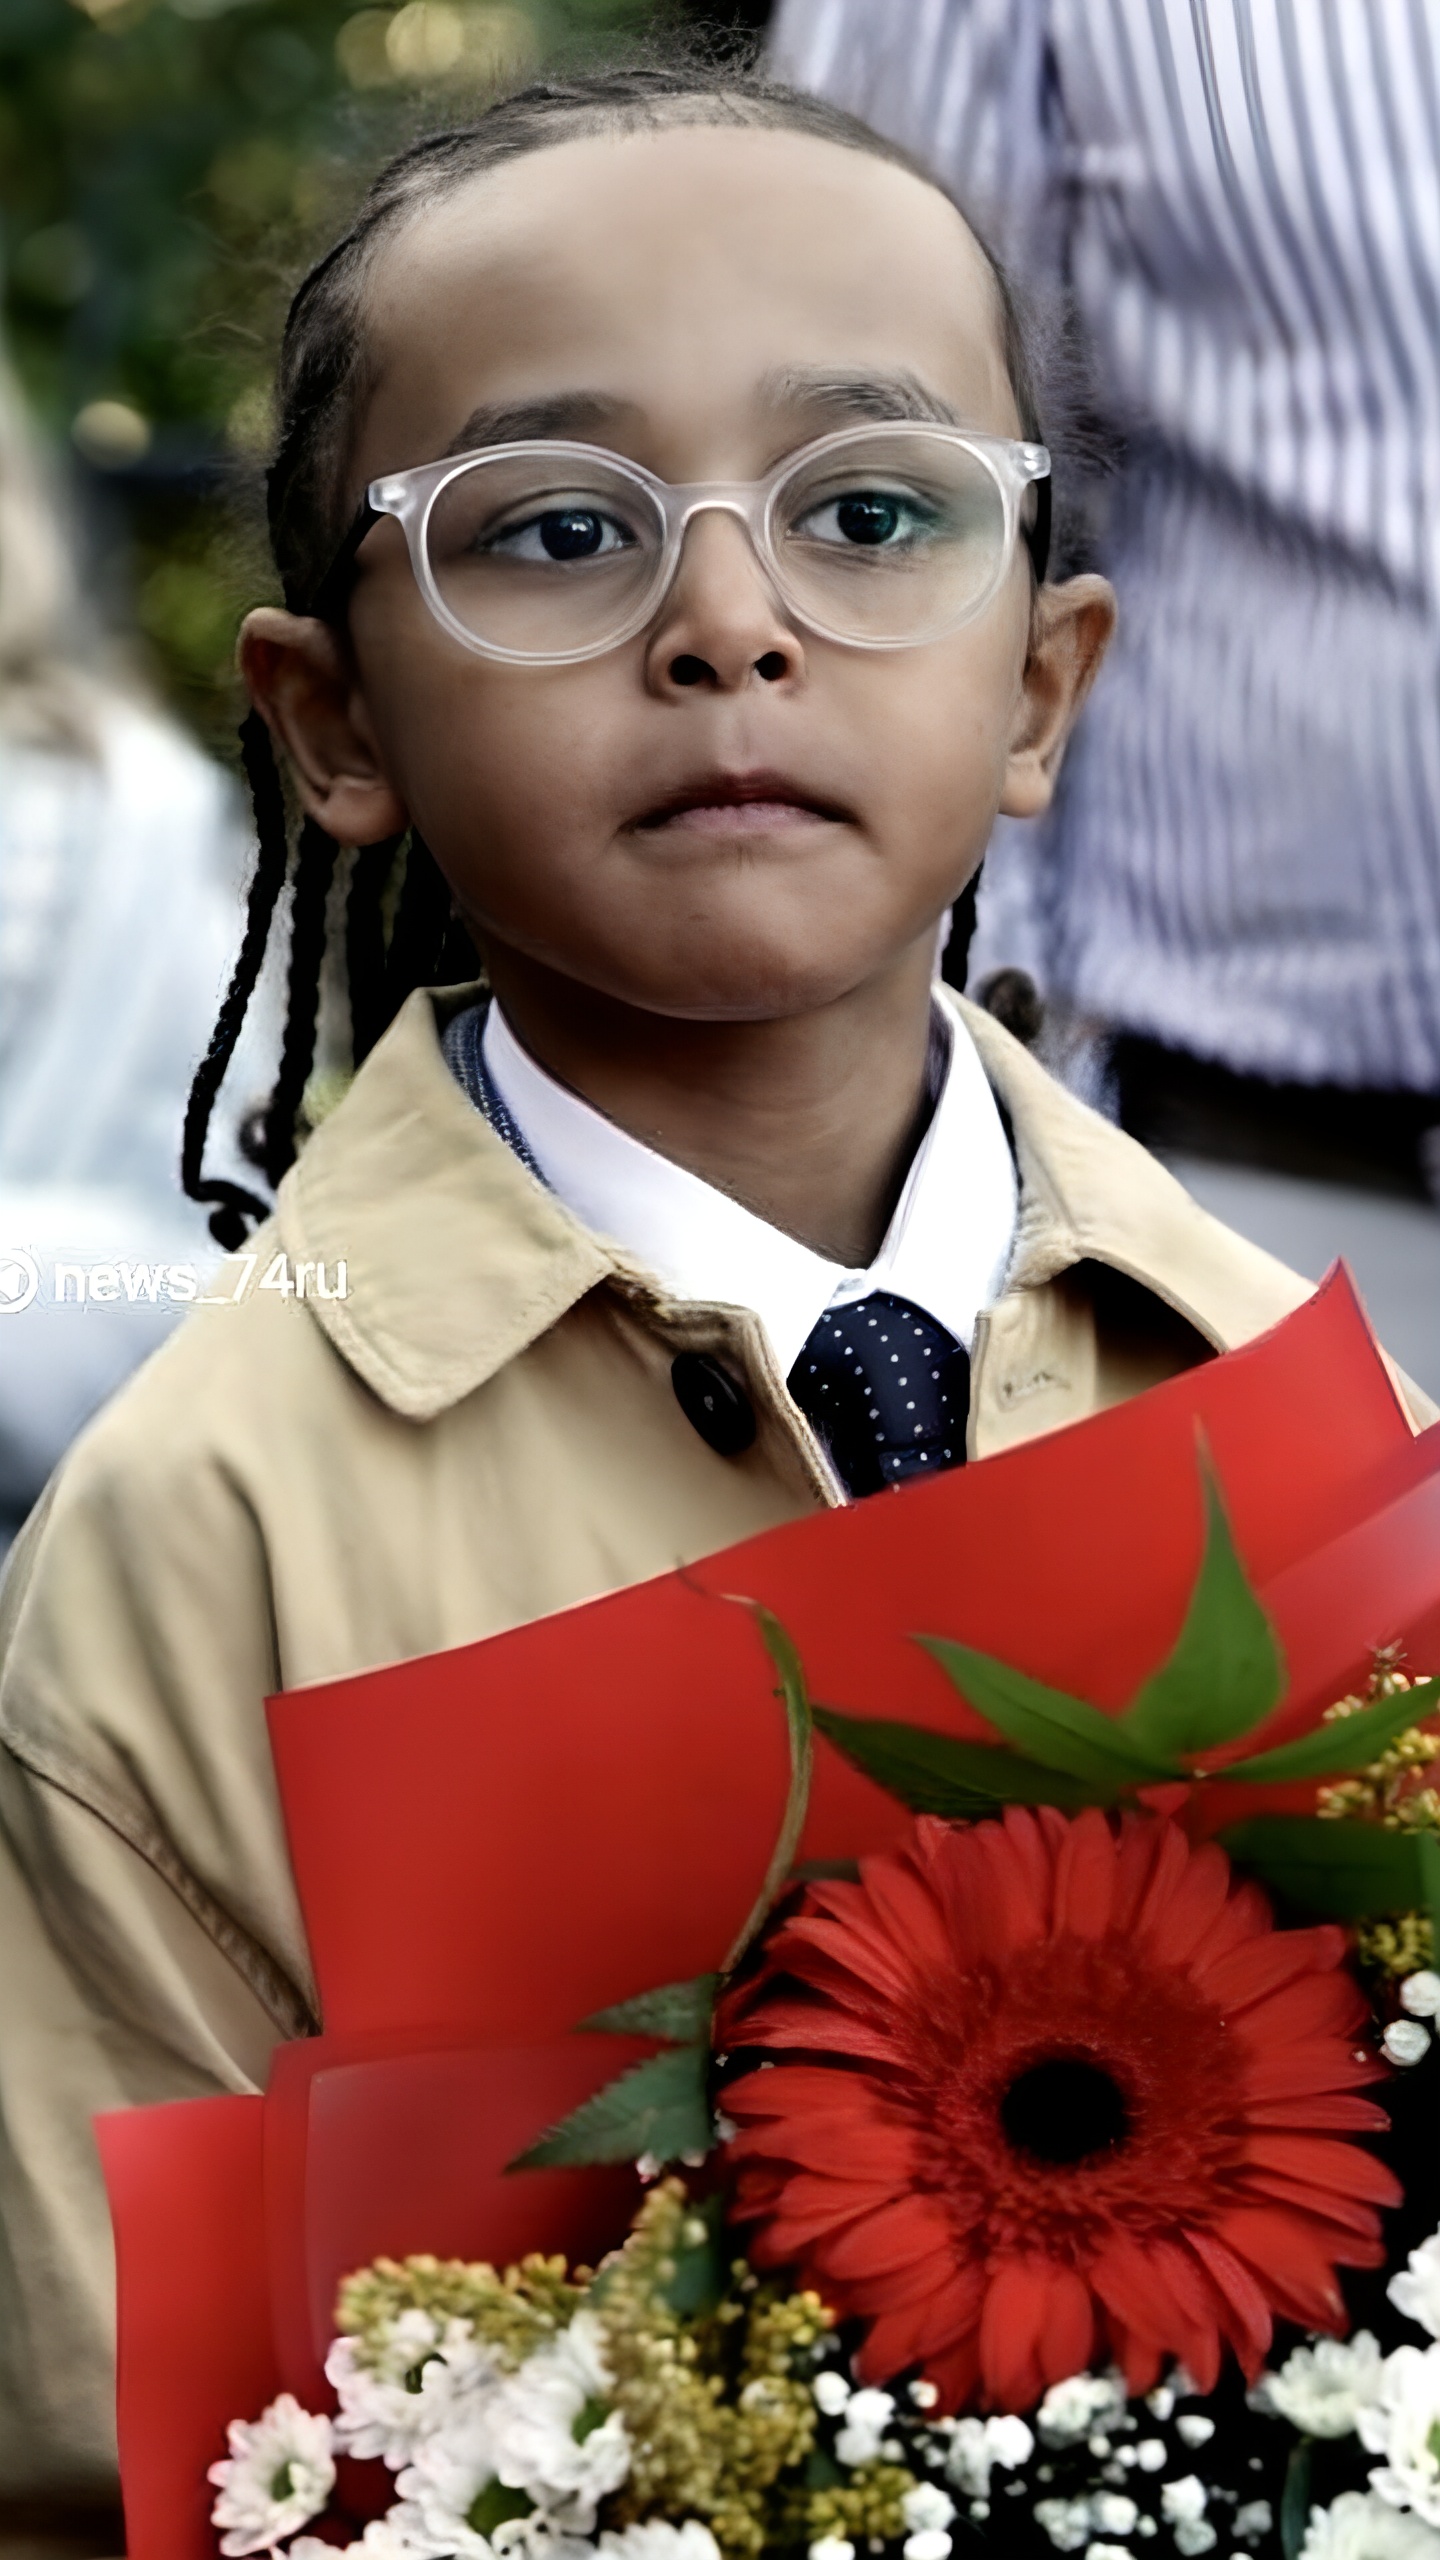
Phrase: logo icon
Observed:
(19, 1279)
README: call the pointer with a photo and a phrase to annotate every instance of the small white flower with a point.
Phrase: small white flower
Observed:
(1193, 2539)
(1106, 2551)
(927, 2508)
(1151, 2453)
(978, 2445)
(924, 2394)
(867, 2416)
(968, 2460)
(1416, 2290)
(1010, 2442)
(1195, 2430)
(1360, 2526)
(1406, 2042)
(831, 2546)
(1183, 2501)
(931, 2545)
(1322, 2389)
(1403, 2424)
(1065, 2520)
(279, 2474)
(1254, 2520)
(660, 2541)
(1112, 2513)
(1420, 1994)
(832, 2394)
(1074, 2409)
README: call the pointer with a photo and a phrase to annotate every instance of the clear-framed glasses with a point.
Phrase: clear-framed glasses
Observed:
(541, 554)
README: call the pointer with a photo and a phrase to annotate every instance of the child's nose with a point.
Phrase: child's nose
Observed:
(721, 623)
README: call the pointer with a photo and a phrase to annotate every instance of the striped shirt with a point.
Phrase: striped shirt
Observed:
(1243, 198)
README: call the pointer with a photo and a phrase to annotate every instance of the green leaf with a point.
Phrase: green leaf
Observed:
(496, 2505)
(660, 2109)
(933, 1773)
(701, 2266)
(679, 2012)
(800, 1727)
(1057, 1731)
(1338, 1870)
(1351, 1742)
(1225, 1673)
(1295, 2500)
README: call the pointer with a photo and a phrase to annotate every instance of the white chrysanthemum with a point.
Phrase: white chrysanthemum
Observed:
(1402, 2422)
(553, 2434)
(1416, 2290)
(279, 2474)
(412, 2378)
(659, 2541)
(448, 2501)
(381, 2540)
(1075, 2408)
(1360, 2526)
(1322, 2389)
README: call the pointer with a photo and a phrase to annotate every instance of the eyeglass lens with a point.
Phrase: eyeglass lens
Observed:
(892, 540)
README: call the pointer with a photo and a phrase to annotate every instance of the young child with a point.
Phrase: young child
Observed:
(695, 621)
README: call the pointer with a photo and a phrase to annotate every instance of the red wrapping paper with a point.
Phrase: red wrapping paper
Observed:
(579, 1809)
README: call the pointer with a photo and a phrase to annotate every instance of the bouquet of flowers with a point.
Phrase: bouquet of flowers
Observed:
(1041, 2153)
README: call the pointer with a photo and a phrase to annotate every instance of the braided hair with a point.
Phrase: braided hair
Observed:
(397, 938)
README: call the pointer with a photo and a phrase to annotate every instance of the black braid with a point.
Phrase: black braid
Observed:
(234, 1205)
(365, 943)
(314, 871)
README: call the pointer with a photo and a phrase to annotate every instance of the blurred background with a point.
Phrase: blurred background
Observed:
(1224, 216)
(164, 166)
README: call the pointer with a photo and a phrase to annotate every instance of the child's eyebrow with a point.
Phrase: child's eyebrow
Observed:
(877, 395)
(579, 414)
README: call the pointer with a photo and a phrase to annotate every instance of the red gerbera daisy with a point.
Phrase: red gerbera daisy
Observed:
(1080, 2094)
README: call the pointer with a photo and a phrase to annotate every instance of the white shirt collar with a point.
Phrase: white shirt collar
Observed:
(947, 1248)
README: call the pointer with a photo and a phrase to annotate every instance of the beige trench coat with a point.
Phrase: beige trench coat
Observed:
(482, 1430)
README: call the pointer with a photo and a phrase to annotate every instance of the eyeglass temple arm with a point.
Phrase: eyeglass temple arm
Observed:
(326, 603)
(1036, 534)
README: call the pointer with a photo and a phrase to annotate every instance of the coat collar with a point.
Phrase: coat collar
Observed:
(457, 1259)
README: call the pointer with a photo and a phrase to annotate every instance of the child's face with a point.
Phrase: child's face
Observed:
(704, 301)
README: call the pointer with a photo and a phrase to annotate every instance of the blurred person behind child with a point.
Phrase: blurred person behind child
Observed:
(121, 847)
(1240, 207)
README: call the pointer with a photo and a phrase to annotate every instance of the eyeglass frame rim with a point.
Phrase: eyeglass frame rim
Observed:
(694, 497)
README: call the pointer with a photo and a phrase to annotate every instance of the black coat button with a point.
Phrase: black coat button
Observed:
(709, 1398)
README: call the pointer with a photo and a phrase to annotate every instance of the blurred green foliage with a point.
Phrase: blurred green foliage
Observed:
(166, 168)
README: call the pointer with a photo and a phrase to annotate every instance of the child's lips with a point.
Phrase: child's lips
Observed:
(736, 818)
(739, 805)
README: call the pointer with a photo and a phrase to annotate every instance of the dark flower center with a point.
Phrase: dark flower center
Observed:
(1064, 2110)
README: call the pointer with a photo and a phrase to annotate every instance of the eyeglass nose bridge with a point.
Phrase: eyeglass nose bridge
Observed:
(749, 505)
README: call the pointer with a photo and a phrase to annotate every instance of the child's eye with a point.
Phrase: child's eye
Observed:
(560, 534)
(867, 519)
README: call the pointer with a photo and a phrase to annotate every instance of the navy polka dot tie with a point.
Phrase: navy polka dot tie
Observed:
(887, 1390)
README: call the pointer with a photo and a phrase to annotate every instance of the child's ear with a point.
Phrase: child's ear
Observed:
(1069, 633)
(300, 680)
